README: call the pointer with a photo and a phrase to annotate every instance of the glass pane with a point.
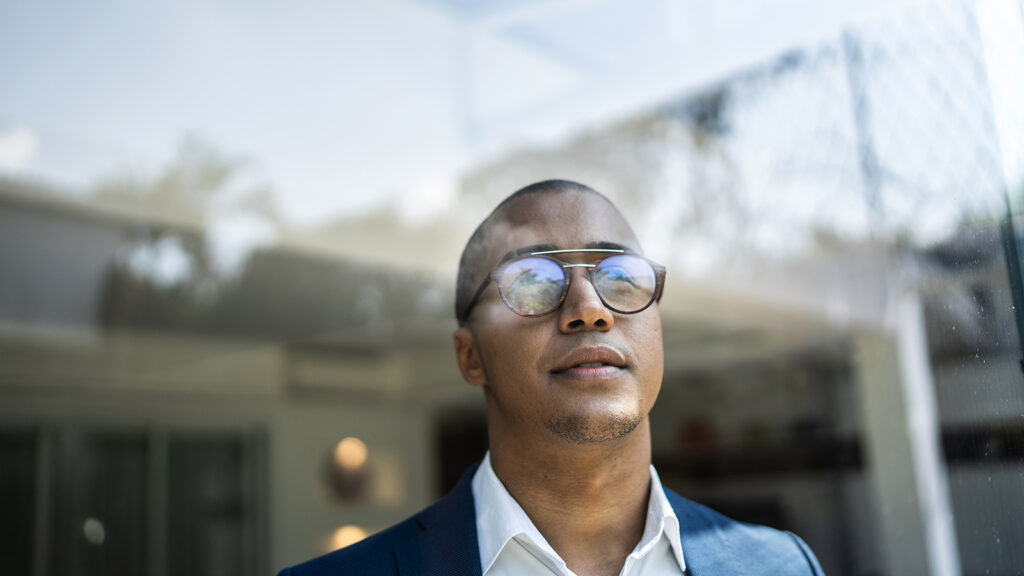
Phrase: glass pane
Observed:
(17, 499)
(975, 354)
(209, 512)
(825, 183)
(98, 520)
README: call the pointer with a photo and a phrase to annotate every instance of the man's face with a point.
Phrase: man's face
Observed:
(539, 373)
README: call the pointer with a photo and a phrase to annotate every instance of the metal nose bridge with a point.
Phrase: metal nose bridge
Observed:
(588, 278)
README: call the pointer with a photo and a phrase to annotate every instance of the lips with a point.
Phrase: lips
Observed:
(590, 363)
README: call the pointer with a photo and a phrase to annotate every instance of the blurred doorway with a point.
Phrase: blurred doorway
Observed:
(105, 501)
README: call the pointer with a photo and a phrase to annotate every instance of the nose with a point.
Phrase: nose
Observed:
(582, 310)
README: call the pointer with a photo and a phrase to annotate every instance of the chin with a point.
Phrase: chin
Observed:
(591, 428)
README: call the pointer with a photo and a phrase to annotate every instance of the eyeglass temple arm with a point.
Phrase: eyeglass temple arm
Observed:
(660, 273)
(472, 301)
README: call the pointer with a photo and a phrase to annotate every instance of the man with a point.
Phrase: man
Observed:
(559, 326)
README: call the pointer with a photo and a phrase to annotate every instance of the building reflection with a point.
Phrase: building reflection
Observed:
(842, 358)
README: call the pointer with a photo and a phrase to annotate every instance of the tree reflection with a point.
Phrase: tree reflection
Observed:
(191, 271)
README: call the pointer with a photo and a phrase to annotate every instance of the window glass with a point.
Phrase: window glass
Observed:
(230, 234)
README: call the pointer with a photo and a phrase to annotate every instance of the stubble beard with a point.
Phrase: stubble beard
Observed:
(583, 429)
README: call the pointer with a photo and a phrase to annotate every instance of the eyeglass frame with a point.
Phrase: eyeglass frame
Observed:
(659, 279)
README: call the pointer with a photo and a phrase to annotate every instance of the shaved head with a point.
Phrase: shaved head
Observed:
(474, 256)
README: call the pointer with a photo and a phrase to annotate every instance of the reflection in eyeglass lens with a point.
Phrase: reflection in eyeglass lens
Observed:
(533, 285)
(625, 282)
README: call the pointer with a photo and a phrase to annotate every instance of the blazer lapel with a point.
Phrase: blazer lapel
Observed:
(704, 551)
(714, 544)
(446, 543)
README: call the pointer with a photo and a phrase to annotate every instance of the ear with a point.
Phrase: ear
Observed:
(468, 356)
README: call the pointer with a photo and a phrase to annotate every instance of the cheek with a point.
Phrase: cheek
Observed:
(658, 345)
(511, 352)
(651, 350)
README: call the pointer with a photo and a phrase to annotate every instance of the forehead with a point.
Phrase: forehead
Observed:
(560, 220)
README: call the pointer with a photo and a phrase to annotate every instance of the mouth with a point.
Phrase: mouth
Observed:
(591, 363)
(589, 372)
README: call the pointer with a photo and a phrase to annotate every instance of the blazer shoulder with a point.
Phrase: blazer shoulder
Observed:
(372, 556)
(714, 540)
(440, 539)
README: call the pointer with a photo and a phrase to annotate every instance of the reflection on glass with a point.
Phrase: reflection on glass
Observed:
(799, 201)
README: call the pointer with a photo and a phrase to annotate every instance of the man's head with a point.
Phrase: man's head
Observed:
(581, 373)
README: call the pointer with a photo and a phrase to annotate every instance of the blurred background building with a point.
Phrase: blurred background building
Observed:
(229, 233)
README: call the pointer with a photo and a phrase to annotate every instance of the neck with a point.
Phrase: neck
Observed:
(588, 500)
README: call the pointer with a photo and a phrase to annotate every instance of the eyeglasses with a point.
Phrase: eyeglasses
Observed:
(536, 284)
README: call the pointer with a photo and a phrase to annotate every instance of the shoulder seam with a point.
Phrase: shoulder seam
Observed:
(803, 551)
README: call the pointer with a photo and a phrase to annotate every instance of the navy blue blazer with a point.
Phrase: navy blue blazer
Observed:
(441, 541)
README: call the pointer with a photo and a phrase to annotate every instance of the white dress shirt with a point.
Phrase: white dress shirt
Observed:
(510, 545)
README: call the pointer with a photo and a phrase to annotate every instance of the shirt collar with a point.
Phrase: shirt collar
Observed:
(499, 519)
(661, 519)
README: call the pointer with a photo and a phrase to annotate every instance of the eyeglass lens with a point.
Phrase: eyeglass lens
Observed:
(625, 283)
(534, 286)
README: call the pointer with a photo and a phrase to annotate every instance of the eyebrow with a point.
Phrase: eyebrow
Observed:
(601, 245)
